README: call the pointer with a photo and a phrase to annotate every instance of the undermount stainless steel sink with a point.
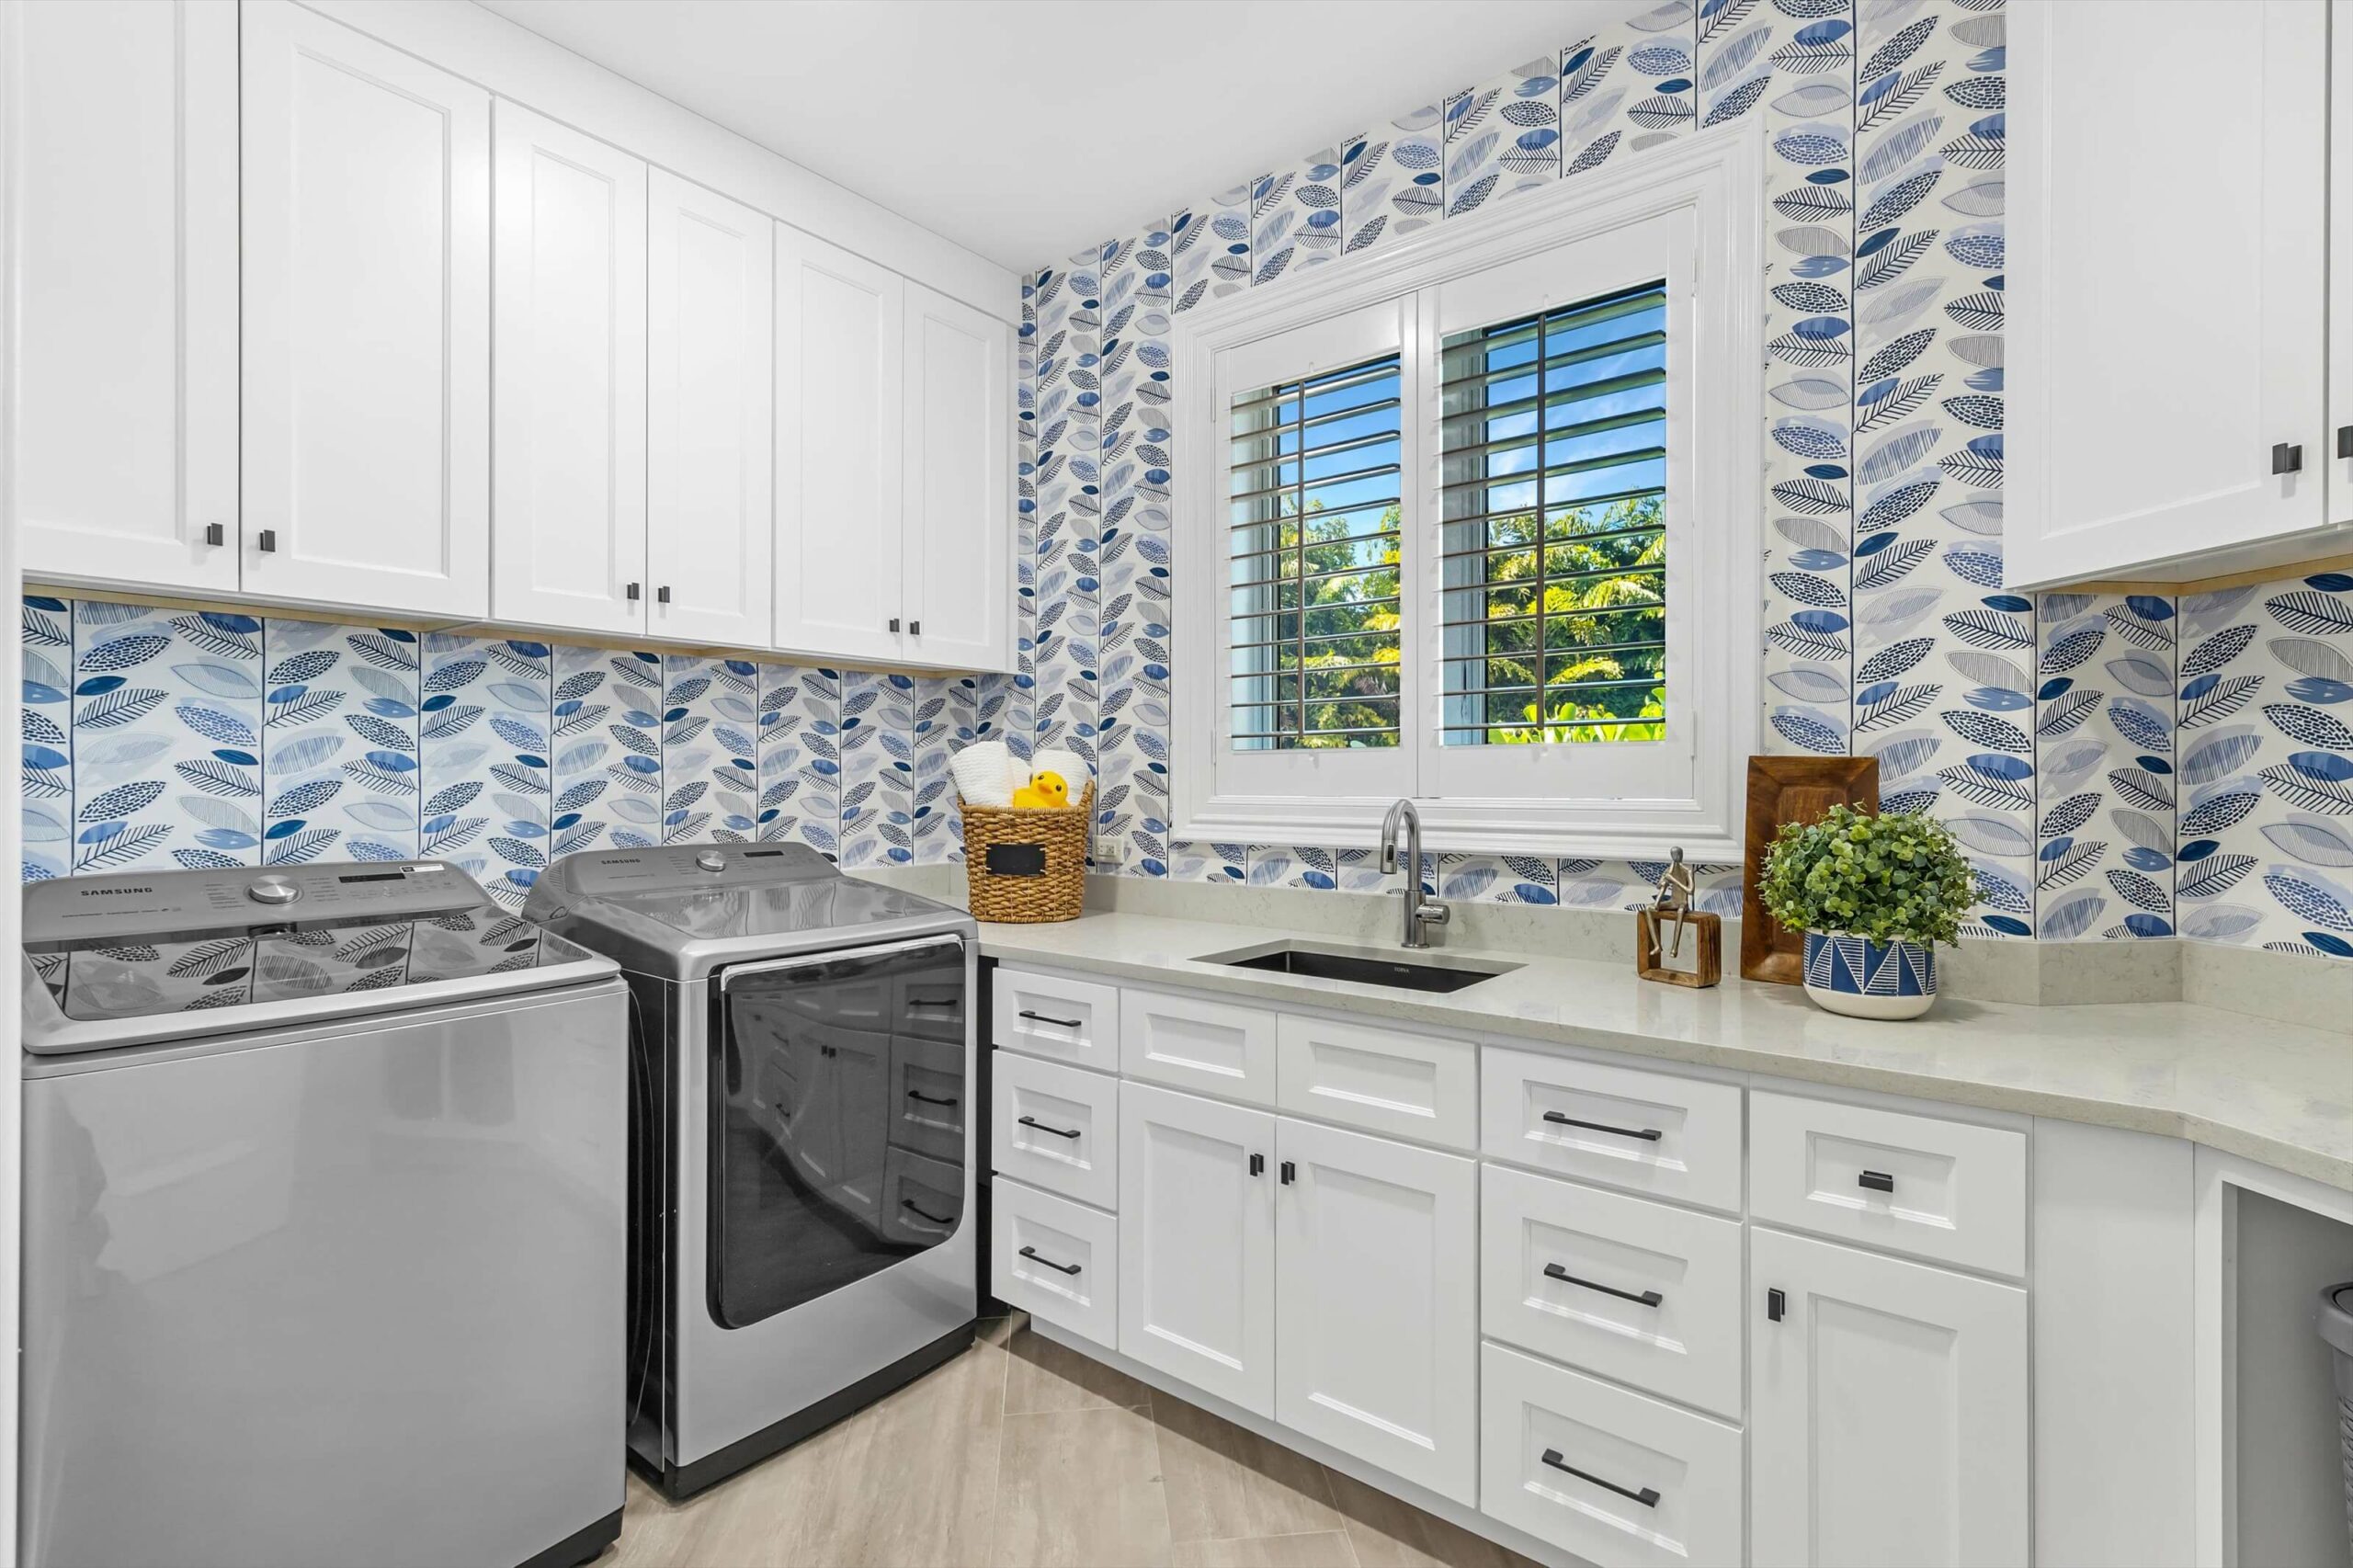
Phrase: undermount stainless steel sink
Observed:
(1365, 966)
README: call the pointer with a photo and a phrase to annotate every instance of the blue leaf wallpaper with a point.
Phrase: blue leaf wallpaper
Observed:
(2116, 768)
(157, 739)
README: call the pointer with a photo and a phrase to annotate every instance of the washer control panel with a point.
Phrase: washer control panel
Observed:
(163, 902)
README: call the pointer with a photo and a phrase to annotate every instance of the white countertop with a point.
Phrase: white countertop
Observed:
(2271, 1092)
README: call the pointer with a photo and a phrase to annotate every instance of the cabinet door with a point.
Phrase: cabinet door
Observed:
(839, 371)
(568, 380)
(710, 425)
(366, 321)
(121, 136)
(2150, 380)
(1376, 1333)
(1196, 1270)
(1887, 1408)
(958, 498)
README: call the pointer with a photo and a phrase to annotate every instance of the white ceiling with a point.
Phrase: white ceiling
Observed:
(1027, 130)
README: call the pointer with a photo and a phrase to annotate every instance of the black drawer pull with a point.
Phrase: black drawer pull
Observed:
(1031, 1254)
(1647, 1496)
(1648, 1134)
(1258, 1164)
(923, 1212)
(1878, 1181)
(1057, 1131)
(1041, 1019)
(932, 1001)
(2287, 457)
(928, 1100)
(1290, 1172)
(1777, 1303)
(2345, 440)
(1648, 1298)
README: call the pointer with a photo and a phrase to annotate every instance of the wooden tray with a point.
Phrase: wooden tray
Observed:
(1786, 790)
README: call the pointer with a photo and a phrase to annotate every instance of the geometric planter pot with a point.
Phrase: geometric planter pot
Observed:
(1864, 978)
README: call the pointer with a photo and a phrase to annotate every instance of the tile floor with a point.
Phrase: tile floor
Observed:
(1021, 1453)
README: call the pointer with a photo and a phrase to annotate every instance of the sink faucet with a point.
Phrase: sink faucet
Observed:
(1420, 913)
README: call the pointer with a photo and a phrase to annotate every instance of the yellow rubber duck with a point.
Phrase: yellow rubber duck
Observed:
(1045, 792)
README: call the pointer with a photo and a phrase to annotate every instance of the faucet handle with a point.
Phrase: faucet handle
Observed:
(1431, 912)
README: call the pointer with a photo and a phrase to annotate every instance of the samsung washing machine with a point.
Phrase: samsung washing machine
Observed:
(802, 1127)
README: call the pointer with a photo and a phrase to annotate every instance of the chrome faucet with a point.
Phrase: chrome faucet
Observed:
(1420, 913)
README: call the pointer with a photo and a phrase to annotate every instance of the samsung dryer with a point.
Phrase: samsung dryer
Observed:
(801, 1139)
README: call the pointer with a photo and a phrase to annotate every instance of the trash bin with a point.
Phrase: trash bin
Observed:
(2336, 1327)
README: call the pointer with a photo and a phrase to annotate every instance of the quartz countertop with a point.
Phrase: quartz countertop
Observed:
(2272, 1092)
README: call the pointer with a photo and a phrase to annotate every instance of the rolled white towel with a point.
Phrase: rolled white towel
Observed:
(983, 774)
(1069, 764)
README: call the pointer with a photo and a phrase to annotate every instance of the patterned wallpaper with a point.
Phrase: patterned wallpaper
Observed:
(2116, 768)
(161, 738)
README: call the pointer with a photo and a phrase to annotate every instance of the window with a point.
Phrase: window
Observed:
(1476, 521)
(1314, 549)
(1553, 496)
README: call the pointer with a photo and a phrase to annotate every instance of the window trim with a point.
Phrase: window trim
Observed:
(1717, 178)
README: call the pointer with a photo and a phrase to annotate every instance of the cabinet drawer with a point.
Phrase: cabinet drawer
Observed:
(1057, 1126)
(1057, 1259)
(1633, 1290)
(1047, 1015)
(1648, 1133)
(1411, 1086)
(1915, 1184)
(1541, 1422)
(1190, 1042)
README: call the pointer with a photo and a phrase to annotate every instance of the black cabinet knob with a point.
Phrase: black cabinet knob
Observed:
(631, 591)
(895, 623)
(2345, 440)
(215, 533)
(1777, 1303)
(1291, 1173)
(662, 593)
(266, 541)
(2287, 457)
(1878, 1181)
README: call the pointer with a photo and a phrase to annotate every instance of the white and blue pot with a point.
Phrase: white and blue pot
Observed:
(1864, 978)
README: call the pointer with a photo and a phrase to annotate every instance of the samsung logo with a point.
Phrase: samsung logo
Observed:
(110, 892)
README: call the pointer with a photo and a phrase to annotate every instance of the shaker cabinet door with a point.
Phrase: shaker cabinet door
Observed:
(840, 324)
(120, 122)
(568, 378)
(366, 321)
(711, 432)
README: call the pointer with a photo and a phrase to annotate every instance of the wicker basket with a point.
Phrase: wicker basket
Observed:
(1027, 865)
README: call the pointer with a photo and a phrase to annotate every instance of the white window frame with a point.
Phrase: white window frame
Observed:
(1707, 192)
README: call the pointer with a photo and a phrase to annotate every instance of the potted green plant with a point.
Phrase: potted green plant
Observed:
(1874, 895)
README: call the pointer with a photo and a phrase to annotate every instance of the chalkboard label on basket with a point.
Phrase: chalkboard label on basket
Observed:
(1018, 859)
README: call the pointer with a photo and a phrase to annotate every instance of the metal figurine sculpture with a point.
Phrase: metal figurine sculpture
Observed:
(1679, 890)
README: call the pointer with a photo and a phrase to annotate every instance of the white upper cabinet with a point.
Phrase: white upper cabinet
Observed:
(1887, 1410)
(2168, 208)
(365, 323)
(120, 122)
(840, 325)
(568, 377)
(956, 493)
(708, 399)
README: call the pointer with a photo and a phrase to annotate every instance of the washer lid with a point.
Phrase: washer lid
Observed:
(131, 960)
(680, 909)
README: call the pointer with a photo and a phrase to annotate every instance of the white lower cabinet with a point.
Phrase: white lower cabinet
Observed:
(1605, 1472)
(1056, 1260)
(1888, 1404)
(1197, 1275)
(1376, 1260)
(1633, 1290)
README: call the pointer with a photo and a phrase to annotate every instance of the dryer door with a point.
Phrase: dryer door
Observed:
(833, 1087)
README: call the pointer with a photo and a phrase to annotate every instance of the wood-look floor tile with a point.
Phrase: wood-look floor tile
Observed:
(912, 1482)
(1224, 1484)
(1321, 1549)
(1080, 1489)
(1389, 1532)
(1045, 1375)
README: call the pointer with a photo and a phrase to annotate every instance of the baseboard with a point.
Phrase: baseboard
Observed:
(1421, 1498)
